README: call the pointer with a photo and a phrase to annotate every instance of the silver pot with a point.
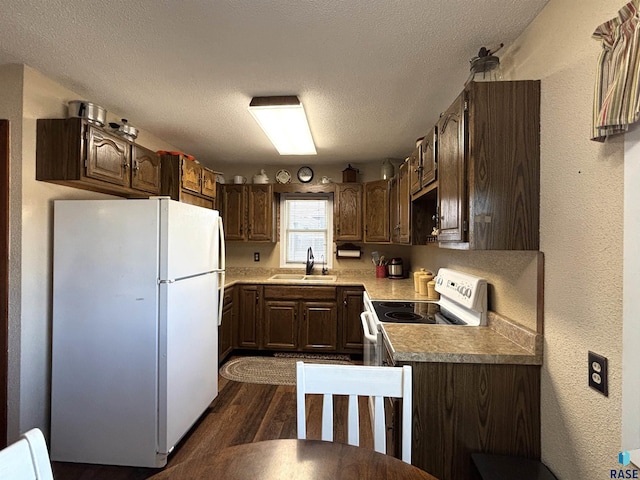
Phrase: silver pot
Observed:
(90, 111)
(124, 130)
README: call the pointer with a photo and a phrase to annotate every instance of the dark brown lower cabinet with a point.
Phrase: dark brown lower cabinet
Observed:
(351, 331)
(319, 327)
(300, 318)
(280, 325)
(225, 331)
(463, 408)
(249, 316)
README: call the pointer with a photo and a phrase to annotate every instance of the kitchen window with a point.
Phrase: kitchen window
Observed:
(306, 221)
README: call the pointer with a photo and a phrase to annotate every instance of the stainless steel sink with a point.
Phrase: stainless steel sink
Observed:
(295, 277)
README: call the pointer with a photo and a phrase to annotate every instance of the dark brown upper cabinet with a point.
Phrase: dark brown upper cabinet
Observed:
(488, 158)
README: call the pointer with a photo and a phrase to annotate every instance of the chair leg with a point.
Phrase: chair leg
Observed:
(353, 421)
(379, 429)
(327, 417)
(300, 398)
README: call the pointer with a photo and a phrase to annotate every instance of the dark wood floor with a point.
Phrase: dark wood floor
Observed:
(242, 413)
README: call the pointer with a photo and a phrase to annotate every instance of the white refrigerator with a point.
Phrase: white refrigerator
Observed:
(137, 300)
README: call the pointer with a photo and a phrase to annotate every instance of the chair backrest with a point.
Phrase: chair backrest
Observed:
(26, 459)
(356, 380)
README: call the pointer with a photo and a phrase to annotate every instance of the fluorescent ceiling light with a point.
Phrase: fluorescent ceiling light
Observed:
(285, 123)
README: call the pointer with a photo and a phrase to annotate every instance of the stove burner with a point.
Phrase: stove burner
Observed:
(395, 305)
(403, 316)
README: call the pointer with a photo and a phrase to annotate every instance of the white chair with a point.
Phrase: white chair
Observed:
(26, 459)
(354, 380)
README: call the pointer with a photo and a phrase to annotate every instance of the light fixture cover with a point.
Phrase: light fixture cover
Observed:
(285, 123)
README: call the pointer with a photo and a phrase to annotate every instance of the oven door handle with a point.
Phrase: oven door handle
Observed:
(364, 317)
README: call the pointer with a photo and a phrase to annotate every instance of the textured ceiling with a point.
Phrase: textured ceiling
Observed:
(373, 75)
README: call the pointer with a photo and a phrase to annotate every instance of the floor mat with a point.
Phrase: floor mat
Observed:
(273, 370)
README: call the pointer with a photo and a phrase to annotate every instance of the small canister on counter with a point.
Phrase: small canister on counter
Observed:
(416, 279)
(417, 276)
(431, 291)
(424, 281)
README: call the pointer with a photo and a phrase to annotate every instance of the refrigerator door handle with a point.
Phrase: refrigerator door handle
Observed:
(221, 270)
(220, 296)
(222, 251)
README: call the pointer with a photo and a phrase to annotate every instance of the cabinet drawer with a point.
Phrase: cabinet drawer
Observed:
(280, 292)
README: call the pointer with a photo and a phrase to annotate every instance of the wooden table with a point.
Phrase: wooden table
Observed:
(295, 460)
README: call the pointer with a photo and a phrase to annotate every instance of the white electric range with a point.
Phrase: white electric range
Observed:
(463, 302)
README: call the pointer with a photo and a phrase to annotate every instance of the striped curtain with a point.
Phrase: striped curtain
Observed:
(616, 98)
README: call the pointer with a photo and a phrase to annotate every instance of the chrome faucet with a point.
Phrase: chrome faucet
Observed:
(309, 261)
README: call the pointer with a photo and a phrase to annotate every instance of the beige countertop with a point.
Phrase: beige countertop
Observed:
(454, 344)
(502, 341)
(377, 288)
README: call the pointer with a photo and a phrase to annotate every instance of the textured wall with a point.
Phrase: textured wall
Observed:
(11, 109)
(581, 237)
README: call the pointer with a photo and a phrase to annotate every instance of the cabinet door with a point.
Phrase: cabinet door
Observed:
(319, 326)
(225, 331)
(145, 174)
(233, 213)
(260, 203)
(428, 155)
(347, 212)
(191, 175)
(351, 326)
(376, 216)
(280, 325)
(208, 183)
(451, 163)
(108, 157)
(249, 315)
(404, 205)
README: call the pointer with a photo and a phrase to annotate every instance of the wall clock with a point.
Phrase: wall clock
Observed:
(305, 174)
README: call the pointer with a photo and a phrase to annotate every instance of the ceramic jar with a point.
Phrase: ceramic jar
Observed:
(417, 279)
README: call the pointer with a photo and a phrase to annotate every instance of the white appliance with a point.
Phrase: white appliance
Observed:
(137, 297)
(463, 302)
